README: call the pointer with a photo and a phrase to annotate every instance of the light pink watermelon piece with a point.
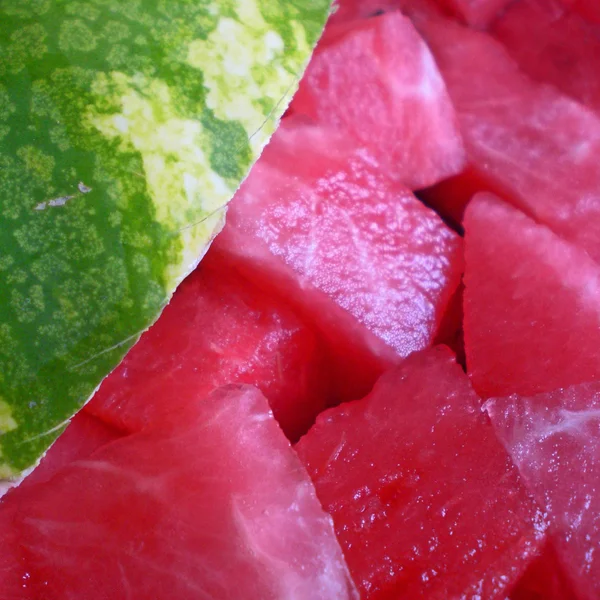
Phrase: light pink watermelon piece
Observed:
(476, 13)
(212, 503)
(375, 82)
(218, 329)
(425, 500)
(353, 250)
(554, 45)
(532, 304)
(554, 439)
(524, 140)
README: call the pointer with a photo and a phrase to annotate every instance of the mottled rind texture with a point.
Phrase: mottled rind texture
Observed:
(125, 127)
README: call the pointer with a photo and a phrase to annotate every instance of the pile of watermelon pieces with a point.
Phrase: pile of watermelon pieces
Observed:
(383, 381)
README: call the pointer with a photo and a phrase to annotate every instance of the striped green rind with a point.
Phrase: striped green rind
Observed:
(125, 127)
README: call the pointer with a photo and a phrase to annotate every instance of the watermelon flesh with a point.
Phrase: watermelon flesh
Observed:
(426, 502)
(554, 439)
(211, 503)
(476, 13)
(528, 293)
(349, 10)
(313, 232)
(218, 329)
(376, 83)
(590, 9)
(524, 140)
(544, 579)
(566, 52)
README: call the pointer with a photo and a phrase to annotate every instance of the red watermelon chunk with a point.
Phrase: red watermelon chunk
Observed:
(377, 83)
(532, 304)
(212, 503)
(554, 439)
(590, 9)
(525, 140)
(349, 10)
(426, 502)
(552, 44)
(476, 13)
(218, 329)
(351, 248)
(544, 579)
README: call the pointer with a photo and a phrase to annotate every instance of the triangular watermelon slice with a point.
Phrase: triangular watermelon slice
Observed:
(211, 503)
(554, 439)
(351, 248)
(532, 304)
(425, 500)
(219, 328)
(526, 141)
(376, 83)
(125, 128)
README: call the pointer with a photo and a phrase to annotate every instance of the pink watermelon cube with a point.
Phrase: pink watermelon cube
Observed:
(554, 45)
(476, 13)
(532, 304)
(554, 439)
(524, 140)
(375, 82)
(425, 500)
(211, 503)
(352, 249)
(218, 329)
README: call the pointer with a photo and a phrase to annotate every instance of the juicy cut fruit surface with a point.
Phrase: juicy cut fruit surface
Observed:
(375, 81)
(477, 13)
(213, 503)
(566, 52)
(532, 309)
(355, 252)
(534, 146)
(554, 441)
(425, 500)
(218, 329)
(124, 131)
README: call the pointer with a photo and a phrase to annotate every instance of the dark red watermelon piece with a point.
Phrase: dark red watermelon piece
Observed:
(349, 10)
(218, 329)
(554, 439)
(355, 252)
(525, 140)
(211, 503)
(554, 45)
(532, 304)
(590, 9)
(376, 82)
(426, 502)
(544, 579)
(476, 13)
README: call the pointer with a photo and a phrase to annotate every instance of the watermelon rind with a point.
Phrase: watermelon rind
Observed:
(125, 128)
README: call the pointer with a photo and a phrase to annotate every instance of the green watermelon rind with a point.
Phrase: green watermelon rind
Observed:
(125, 128)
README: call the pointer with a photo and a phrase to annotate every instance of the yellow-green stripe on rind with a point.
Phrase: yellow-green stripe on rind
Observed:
(125, 127)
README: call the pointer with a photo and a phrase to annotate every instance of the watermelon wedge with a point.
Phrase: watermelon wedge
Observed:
(532, 309)
(311, 228)
(376, 83)
(554, 45)
(426, 502)
(525, 141)
(218, 329)
(554, 440)
(125, 128)
(212, 503)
